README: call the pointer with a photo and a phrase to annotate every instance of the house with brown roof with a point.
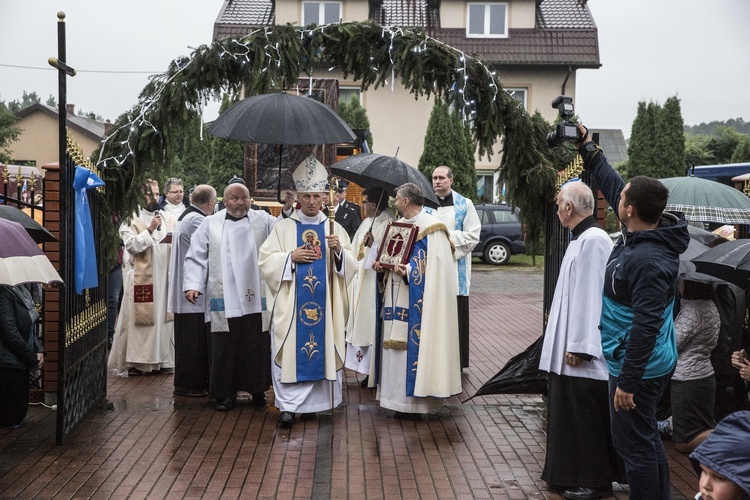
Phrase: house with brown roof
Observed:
(535, 47)
(37, 144)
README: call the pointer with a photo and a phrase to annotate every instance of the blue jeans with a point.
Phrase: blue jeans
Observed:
(637, 441)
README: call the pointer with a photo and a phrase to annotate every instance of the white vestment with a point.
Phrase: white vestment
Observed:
(573, 324)
(278, 270)
(363, 317)
(243, 289)
(175, 210)
(145, 347)
(183, 231)
(464, 240)
(438, 372)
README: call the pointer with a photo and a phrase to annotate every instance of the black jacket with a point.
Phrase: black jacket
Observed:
(640, 286)
(349, 219)
(15, 329)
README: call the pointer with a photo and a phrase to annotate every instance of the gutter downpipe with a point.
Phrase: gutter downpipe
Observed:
(565, 82)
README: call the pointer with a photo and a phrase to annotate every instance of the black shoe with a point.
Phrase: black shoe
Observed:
(407, 416)
(286, 419)
(365, 381)
(587, 493)
(259, 399)
(225, 404)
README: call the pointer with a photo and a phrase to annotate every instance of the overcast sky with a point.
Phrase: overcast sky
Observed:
(650, 50)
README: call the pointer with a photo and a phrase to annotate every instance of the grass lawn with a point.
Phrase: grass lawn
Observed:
(520, 262)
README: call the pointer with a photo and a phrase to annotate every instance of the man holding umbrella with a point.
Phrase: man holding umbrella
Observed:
(307, 263)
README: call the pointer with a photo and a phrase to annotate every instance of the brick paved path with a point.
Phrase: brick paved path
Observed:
(149, 444)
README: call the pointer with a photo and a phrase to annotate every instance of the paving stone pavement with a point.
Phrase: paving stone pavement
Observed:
(147, 443)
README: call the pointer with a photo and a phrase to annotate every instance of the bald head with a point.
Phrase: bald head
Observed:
(237, 200)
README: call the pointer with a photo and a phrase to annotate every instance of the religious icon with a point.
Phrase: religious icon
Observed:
(397, 244)
(312, 242)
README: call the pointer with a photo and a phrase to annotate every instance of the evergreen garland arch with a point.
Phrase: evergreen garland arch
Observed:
(373, 55)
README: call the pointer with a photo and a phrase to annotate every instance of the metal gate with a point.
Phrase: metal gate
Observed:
(82, 321)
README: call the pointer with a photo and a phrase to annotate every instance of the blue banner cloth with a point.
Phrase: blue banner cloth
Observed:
(311, 304)
(86, 274)
(418, 263)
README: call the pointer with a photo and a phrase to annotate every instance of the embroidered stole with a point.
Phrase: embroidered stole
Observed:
(408, 319)
(143, 280)
(311, 286)
(459, 214)
(216, 309)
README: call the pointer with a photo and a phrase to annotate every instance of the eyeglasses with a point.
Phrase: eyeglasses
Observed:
(368, 202)
(176, 192)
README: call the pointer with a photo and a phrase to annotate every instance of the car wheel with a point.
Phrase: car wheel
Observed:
(497, 253)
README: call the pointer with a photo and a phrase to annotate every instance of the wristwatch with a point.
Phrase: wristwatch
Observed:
(590, 147)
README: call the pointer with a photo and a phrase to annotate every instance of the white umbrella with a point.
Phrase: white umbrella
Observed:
(21, 260)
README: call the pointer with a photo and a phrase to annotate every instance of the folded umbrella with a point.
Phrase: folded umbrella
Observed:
(388, 172)
(21, 260)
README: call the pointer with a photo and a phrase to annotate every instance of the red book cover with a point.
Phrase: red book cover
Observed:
(397, 244)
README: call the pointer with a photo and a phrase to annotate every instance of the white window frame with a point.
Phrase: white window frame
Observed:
(356, 91)
(486, 33)
(525, 91)
(321, 12)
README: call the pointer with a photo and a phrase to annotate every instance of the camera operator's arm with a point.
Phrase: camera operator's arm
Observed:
(607, 179)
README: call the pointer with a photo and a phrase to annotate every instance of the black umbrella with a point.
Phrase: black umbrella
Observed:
(520, 375)
(283, 119)
(729, 261)
(37, 232)
(388, 172)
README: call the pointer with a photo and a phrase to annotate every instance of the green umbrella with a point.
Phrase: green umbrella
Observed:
(707, 201)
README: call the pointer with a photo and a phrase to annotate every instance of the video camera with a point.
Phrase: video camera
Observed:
(567, 129)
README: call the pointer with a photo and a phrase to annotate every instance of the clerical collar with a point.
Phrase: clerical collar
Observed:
(411, 220)
(585, 224)
(447, 201)
(304, 219)
(233, 218)
(189, 210)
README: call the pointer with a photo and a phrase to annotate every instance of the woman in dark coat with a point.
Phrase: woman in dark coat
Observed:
(20, 352)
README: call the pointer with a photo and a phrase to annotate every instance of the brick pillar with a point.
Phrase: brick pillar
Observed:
(52, 297)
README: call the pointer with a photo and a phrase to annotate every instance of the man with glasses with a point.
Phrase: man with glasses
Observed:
(174, 194)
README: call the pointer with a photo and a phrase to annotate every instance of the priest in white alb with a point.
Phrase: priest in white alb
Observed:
(222, 264)
(420, 366)
(581, 461)
(366, 302)
(144, 334)
(460, 217)
(307, 268)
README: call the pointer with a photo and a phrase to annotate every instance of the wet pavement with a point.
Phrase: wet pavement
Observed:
(147, 443)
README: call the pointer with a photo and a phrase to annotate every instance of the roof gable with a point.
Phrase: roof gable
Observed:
(565, 32)
(87, 126)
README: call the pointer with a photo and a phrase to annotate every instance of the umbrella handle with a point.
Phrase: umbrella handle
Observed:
(278, 185)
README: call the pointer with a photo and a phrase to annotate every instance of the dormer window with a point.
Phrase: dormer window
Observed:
(321, 13)
(487, 20)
